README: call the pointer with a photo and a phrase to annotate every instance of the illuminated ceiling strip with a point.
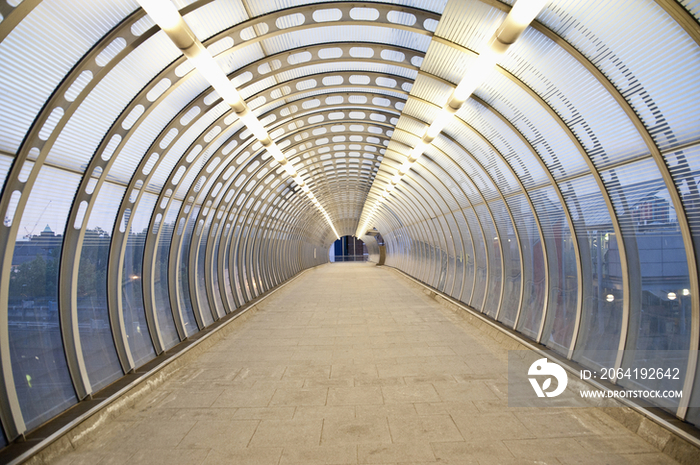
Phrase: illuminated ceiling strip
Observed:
(519, 18)
(168, 18)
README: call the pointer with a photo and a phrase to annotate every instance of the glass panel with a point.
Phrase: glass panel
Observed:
(480, 253)
(249, 263)
(518, 155)
(5, 163)
(553, 145)
(601, 315)
(227, 272)
(443, 257)
(241, 262)
(465, 259)
(494, 292)
(685, 169)
(454, 246)
(511, 254)
(183, 277)
(100, 355)
(660, 318)
(202, 299)
(561, 306)
(39, 366)
(132, 275)
(215, 278)
(590, 111)
(533, 265)
(161, 295)
(242, 298)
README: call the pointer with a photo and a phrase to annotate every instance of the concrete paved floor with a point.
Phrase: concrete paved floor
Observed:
(350, 364)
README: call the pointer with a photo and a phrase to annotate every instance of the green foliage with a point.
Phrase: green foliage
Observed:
(35, 280)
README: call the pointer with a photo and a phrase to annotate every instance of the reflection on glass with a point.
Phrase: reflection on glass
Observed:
(563, 283)
(199, 249)
(161, 293)
(39, 365)
(215, 279)
(533, 267)
(183, 270)
(511, 263)
(601, 314)
(480, 253)
(227, 274)
(131, 286)
(660, 321)
(602, 298)
(99, 353)
(493, 241)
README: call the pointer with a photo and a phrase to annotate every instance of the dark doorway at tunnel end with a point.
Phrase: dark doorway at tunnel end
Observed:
(348, 249)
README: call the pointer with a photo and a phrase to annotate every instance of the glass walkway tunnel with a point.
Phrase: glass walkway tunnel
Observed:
(165, 164)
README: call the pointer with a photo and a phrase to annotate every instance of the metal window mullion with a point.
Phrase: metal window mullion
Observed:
(73, 240)
(230, 302)
(223, 242)
(258, 244)
(284, 256)
(406, 232)
(213, 209)
(211, 247)
(175, 249)
(233, 271)
(149, 262)
(212, 241)
(274, 250)
(263, 259)
(265, 247)
(193, 247)
(490, 213)
(243, 241)
(500, 193)
(235, 242)
(231, 216)
(233, 266)
(119, 239)
(417, 230)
